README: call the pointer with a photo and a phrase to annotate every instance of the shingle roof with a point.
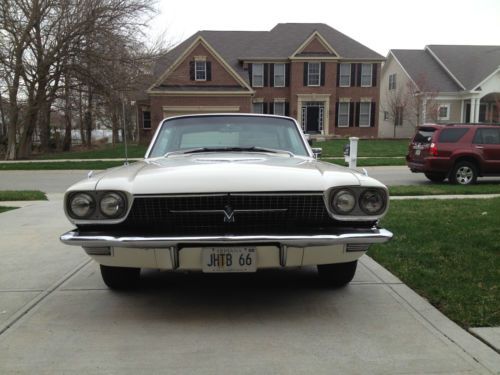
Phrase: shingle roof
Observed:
(279, 43)
(423, 68)
(469, 64)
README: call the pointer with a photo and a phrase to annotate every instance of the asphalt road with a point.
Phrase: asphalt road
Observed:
(56, 316)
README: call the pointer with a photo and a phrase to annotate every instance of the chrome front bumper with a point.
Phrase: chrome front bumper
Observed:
(366, 236)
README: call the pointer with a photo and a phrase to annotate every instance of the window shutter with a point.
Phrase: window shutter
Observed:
(266, 75)
(287, 109)
(358, 75)
(353, 74)
(372, 116)
(306, 66)
(271, 108)
(209, 70)
(191, 70)
(322, 74)
(351, 113)
(374, 75)
(337, 114)
(271, 75)
(250, 74)
(358, 105)
(338, 74)
(287, 75)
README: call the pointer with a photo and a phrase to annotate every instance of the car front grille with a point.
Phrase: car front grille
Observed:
(229, 214)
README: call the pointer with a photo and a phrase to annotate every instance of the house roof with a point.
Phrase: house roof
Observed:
(425, 70)
(469, 64)
(279, 43)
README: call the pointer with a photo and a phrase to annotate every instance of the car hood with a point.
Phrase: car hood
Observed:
(224, 172)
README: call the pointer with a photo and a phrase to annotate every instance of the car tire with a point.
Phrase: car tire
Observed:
(435, 176)
(120, 278)
(338, 274)
(463, 173)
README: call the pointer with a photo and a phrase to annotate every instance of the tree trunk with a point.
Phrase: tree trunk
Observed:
(80, 113)
(115, 125)
(67, 119)
(44, 126)
(26, 139)
(88, 119)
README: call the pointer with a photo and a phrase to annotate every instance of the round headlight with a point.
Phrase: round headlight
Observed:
(81, 205)
(112, 205)
(343, 201)
(372, 201)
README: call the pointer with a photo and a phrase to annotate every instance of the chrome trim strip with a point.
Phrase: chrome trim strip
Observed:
(195, 195)
(373, 235)
(223, 211)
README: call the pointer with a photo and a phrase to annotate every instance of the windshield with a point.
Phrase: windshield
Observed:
(230, 133)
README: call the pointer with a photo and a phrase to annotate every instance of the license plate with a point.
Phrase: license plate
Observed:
(229, 259)
(417, 152)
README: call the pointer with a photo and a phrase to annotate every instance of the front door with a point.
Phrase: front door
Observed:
(312, 117)
(312, 125)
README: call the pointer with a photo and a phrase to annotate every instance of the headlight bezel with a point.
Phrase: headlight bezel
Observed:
(71, 200)
(364, 208)
(122, 204)
(97, 216)
(357, 214)
(335, 197)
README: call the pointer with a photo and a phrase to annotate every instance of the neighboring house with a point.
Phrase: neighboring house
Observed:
(324, 79)
(441, 83)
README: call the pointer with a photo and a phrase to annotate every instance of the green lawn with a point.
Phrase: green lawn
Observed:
(22, 195)
(5, 209)
(366, 147)
(370, 162)
(108, 152)
(448, 252)
(440, 189)
(86, 165)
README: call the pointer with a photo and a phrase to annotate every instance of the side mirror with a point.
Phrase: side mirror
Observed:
(317, 152)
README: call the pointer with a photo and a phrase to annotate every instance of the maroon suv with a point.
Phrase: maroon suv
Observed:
(460, 153)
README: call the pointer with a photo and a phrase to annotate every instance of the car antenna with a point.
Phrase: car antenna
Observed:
(124, 131)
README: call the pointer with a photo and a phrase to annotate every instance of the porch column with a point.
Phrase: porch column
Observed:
(472, 110)
(476, 111)
(462, 115)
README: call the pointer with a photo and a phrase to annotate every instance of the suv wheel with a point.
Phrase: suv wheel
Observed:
(464, 173)
(337, 274)
(435, 176)
(120, 278)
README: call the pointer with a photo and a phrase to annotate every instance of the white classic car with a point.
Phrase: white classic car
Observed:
(226, 193)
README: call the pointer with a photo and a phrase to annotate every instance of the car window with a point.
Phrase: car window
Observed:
(228, 131)
(452, 135)
(424, 135)
(487, 136)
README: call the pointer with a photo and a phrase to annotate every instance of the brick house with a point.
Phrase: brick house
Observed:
(312, 72)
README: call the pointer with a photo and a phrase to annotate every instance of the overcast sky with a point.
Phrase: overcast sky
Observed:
(380, 25)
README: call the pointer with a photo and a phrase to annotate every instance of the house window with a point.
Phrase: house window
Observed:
(392, 81)
(366, 75)
(279, 75)
(364, 114)
(200, 68)
(345, 75)
(343, 115)
(444, 112)
(146, 119)
(313, 74)
(279, 108)
(257, 75)
(386, 115)
(398, 120)
(258, 107)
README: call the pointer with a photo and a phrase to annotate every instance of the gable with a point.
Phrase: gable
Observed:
(313, 46)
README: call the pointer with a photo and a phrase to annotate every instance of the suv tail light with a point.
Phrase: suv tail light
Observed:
(433, 150)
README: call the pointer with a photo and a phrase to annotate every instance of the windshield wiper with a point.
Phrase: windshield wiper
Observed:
(228, 149)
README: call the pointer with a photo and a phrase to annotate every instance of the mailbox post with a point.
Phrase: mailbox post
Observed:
(351, 152)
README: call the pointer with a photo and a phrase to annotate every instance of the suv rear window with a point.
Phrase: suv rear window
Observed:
(424, 135)
(452, 135)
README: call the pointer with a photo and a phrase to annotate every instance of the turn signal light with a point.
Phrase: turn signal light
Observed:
(433, 150)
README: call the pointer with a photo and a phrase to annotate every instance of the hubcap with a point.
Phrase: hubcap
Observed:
(464, 175)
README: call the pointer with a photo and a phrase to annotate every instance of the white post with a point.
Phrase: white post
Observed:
(353, 152)
(476, 111)
(472, 114)
(424, 111)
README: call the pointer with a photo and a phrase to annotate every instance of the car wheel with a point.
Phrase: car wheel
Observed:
(435, 176)
(464, 173)
(338, 274)
(120, 278)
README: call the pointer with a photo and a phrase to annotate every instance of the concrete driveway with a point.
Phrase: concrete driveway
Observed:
(56, 316)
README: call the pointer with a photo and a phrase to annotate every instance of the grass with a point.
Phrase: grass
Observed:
(448, 252)
(5, 209)
(440, 189)
(370, 162)
(22, 195)
(366, 147)
(108, 152)
(86, 165)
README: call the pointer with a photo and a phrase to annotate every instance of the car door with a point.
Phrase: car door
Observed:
(487, 143)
